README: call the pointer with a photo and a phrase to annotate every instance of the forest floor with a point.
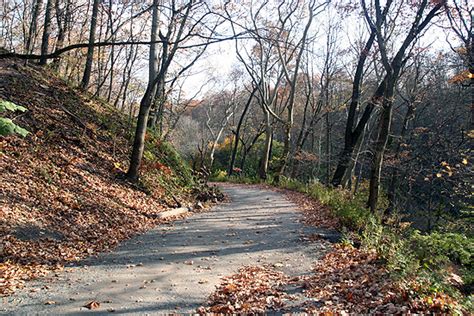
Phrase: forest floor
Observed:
(176, 266)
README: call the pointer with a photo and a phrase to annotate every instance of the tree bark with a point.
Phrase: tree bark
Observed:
(62, 19)
(30, 42)
(328, 149)
(140, 132)
(90, 49)
(46, 32)
(237, 132)
(379, 149)
(145, 104)
(263, 168)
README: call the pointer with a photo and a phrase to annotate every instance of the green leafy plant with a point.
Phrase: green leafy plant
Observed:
(7, 127)
(219, 176)
(351, 211)
(441, 248)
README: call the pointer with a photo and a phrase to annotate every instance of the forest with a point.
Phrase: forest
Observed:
(359, 112)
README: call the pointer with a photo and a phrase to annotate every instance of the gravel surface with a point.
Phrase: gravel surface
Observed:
(174, 268)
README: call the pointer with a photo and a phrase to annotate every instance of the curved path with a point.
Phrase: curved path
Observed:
(174, 268)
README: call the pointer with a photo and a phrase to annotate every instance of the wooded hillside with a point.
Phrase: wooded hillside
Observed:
(63, 194)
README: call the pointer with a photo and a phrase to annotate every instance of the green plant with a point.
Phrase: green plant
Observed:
(149, 156)
(219, 176)
(7, 127)
(351, 212)
(346, 240)
(442, 248)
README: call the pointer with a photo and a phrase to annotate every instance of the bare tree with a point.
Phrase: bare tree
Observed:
(461, 18)
(181, 27)
(237, 131)
(393, 69)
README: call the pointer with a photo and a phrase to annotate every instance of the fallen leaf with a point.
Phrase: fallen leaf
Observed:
(92, 305)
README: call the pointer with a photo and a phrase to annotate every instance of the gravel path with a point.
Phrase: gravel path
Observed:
(174, 268)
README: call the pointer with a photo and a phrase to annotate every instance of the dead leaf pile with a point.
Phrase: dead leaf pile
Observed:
(254, 289)
(314, 213)
(61, 194)
(351, 280)
(346, 280)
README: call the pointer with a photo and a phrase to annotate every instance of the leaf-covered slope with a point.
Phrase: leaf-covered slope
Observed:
(61, 196)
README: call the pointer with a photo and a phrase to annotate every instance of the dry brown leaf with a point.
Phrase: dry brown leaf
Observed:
(92, 305)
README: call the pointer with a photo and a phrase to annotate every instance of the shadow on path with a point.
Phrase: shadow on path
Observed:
(173, 268)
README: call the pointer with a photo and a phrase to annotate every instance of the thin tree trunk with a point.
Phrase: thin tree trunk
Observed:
(391, 192)
(328, 149)
(62, 19)
(46, 32)
(145, 105)
(30, 42)
(90, 49)
(237, 132)
(263, 169)
(139, 139)
(379, 147)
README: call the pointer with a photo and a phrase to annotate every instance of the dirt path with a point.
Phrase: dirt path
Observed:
(175, 267)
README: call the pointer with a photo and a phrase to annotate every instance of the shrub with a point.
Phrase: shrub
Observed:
(162, 152)
(219, 176)
(351, 212)
(441, 248)
(164, 172)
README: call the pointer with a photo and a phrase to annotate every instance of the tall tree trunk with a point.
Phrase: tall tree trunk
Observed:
(90, 49)
(471, 73)
(349, 137)
(345, 164)
(30, 42)
(379, 149)
(159, 107)
(153, 59)
(354, 131)
(62, 19)
(46, 32)
(263, 168)
(140, 132)
(391, 192)
(237, 132)
(145, 105)
(328, 148)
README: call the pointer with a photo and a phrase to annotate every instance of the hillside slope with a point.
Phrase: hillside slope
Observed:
(61, 193)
